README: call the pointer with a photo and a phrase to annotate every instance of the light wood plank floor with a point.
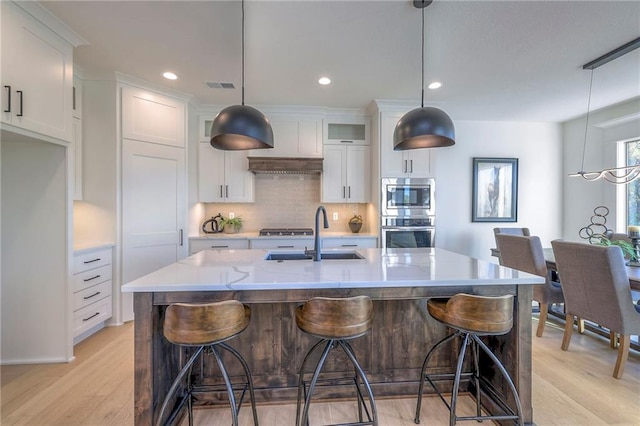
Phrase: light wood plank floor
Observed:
(569, 388)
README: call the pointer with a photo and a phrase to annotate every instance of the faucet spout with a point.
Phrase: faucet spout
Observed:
(317, 257)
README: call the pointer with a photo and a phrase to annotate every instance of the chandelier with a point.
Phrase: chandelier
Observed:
(616, 175)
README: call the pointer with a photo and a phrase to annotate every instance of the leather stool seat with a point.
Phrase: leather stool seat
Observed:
(335, 321)
(472, 316)
(206, 326)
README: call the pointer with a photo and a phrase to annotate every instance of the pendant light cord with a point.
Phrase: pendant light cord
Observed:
(422, 100)
(586, 126)
(242, 52)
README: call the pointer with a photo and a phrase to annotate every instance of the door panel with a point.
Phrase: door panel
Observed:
(153, 210)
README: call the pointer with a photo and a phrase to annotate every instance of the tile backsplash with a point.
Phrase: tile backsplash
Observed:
(287, 201)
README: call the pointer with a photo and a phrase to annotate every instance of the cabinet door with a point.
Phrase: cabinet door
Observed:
(392, 163)
(150, 117)
(239, 182)
(154, 203)
(358, 173)
(76, 149)
(334, 174)
(211, 164)
(409, 163)
(76, 100)
(38, 66)
(294, 138)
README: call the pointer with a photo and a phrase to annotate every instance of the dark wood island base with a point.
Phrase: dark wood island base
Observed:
(391, 354)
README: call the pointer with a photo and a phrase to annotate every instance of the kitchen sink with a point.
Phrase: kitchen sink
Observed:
(330, 255)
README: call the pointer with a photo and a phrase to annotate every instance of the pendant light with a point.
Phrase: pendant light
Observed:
(241, 127)
(616, 175)
(424, 127)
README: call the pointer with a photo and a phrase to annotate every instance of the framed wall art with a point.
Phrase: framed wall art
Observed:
(495, 190)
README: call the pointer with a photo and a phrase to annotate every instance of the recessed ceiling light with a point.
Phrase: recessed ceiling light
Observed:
(169, 76)
(324, 81)
(435, 85)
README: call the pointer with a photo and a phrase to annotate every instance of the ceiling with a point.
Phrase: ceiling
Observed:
(497, 60)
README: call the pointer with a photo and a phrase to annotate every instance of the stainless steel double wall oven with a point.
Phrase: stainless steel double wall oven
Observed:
(408, 212)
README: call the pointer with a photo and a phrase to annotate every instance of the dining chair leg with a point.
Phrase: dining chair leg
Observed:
(623, 354)
(544, 311)
(613, 339)
(568, 330)
(580, 325)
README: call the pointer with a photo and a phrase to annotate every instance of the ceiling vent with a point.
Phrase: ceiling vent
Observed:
(219, 85)
(285, 165)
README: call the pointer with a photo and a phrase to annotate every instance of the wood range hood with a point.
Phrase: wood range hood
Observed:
(285, 165)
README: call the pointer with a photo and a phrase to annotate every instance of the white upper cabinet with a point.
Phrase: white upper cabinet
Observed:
(37, 75)
(223, 176)
(347, 130)
(409, 163)
(150, 117)
(346, 175)
(293, 137)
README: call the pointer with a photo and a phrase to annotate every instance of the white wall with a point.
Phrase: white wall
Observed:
(606, 127)
(538, 147)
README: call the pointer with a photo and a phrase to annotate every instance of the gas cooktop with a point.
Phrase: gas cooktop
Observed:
(285, 231)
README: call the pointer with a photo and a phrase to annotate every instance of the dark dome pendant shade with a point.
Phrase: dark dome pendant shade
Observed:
(424, 127)
(241, 127)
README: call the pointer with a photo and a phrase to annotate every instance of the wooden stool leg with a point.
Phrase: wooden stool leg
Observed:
(623, 354)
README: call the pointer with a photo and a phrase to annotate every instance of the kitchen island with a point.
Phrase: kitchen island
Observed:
(398, 280)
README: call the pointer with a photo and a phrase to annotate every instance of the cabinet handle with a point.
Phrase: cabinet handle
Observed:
(91, 261)
(411, 163)
(92, 278)
(349, 245)
(92, 316)
(21, 103)
(93, 295)
(349, 191)
(226, 191)
(8, 98)
(73, 102)
(219, 246)
(285, 246)
(346, 141)
(181, 238)
(344, 192)
(221, 194)
(405, 167)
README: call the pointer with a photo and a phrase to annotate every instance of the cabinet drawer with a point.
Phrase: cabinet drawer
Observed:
(349, 243)
(215, 243)
(91, 315)
(92, 277)
(283, 243)
(91, 294)
(90, 260)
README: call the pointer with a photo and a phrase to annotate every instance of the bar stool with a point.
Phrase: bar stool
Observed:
(470, 317)
(335, 321)
(206, 327)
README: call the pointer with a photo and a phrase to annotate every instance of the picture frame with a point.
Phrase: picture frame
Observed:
(495, 190)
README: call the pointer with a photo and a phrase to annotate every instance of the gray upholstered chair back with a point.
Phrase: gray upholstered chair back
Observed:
(596, 285)
(525, 254)
(509, 231)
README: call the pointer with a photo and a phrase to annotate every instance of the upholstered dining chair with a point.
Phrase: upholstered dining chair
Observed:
(525, 254)
(509, 231)
(596, 287)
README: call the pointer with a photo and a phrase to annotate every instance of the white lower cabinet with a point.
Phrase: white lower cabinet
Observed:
(349, 242)
(217, 244)
(282, 243)
(91, 286)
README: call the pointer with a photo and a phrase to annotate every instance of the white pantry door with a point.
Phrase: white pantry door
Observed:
(153, 211)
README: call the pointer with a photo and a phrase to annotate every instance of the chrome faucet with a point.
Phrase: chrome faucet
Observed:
(316, 240)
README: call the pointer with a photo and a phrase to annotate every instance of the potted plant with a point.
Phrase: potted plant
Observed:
(627, 249)
(355, 223)
(232, 225)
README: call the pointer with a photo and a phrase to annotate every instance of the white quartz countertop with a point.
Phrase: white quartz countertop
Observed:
(224, 270)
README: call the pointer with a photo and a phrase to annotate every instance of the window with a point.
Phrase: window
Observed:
(632, 157)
